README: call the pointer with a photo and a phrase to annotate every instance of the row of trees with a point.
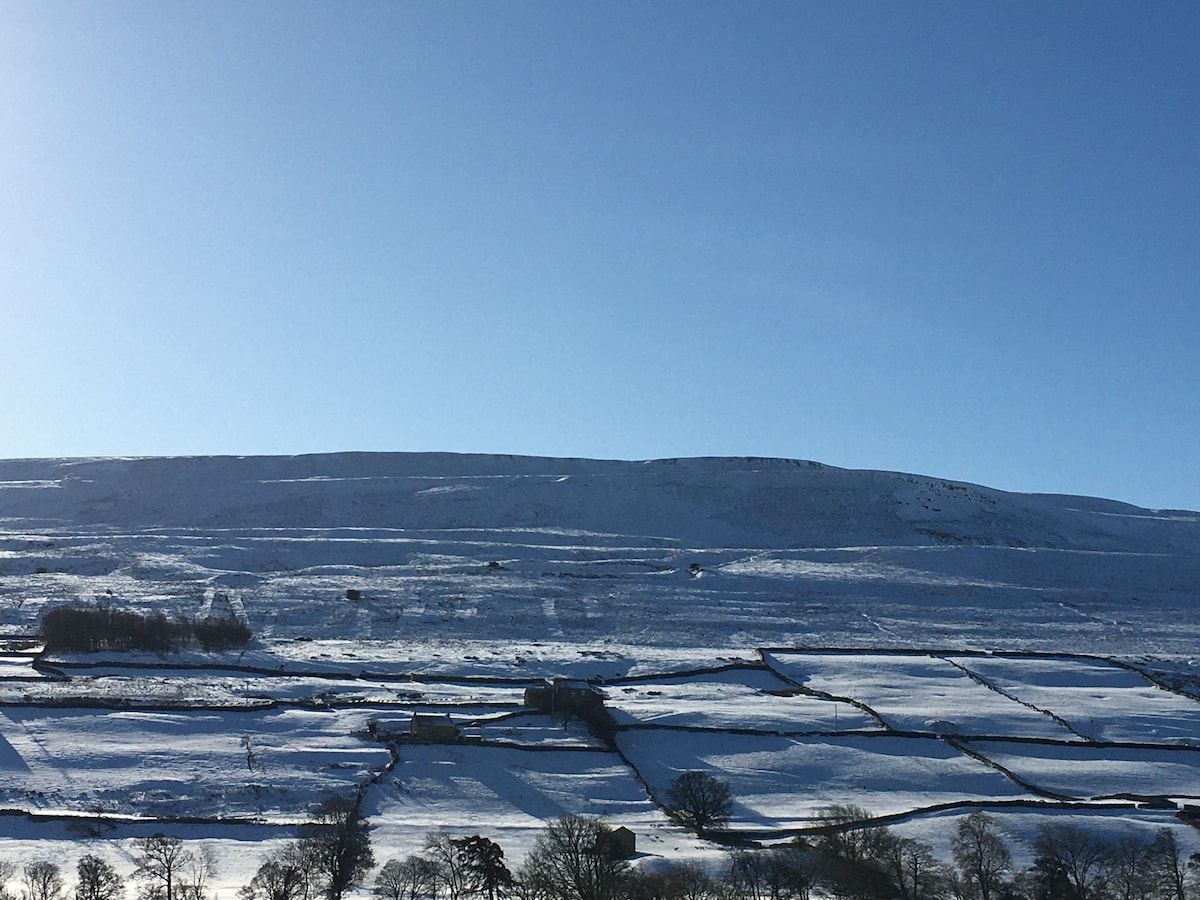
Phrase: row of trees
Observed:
(870, 863)
(848, 860)
(89, 629)
(573, 858)
(166, 870)
(1069, 863)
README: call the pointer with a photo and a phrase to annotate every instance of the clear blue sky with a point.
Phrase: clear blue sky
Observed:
(961, 239)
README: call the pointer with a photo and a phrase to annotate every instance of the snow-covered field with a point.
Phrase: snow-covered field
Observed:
(1098, 700)
(182, 763)
(781, 782)
(812, 634)
(918, 693)
(1096, 772)
(735, 699)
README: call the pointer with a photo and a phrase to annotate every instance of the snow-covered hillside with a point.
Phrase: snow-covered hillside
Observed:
(688, 552)
(814, 635)
(713, 501)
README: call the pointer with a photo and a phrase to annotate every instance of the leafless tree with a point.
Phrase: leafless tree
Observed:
(338, 842)
(160, 861)
(7, 871)
(1076, 854)
(42, 880)
(850, 835)
(198, 867)
(570, 861)
(851, 853)
(983, 859)
(412, 878)
(699, 800)
(686, 881)
(1167, 867)
(96, 879)
(779, 873)
(1127, 869)
(282, 876)
(450, 864)
(913, 870)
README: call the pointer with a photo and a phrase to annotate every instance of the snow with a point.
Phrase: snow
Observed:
(707, 598)
(1099, 700)
(1095, 772)
(514, 791)
(738, 698)
(782, 782)
(911, 692)
(193, 763)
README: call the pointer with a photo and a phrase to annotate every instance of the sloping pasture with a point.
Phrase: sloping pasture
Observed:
(1100, 700)
(1095, 771)
(273, 763)
(507, 794)
(753, 699)
(782, 782)
(917, 692)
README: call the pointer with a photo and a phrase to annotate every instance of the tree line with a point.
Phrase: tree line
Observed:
(849, 859)
(574, 858)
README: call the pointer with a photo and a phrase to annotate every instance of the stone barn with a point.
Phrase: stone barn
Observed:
(618, 843)
(432, 728)
(565, 695)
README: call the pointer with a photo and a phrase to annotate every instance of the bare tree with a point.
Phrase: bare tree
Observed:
(295, 856)
(7, 871)
(413, 878)
(282, 876)
(160, 862)
(1167, 869)
(198, 867)
(690, 881)
(338, 842)
(570, 861)
(699, 800)
(913, 870)
(95, 879)
(849, 834)
(1127, 869)
(1074, 854)
(983, 859)
(746, 879)
(778, 873)
(679, 881)
(851, 853)
(42, 880)
(450, 865)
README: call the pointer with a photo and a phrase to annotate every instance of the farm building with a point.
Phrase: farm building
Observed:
(565, 695)
(619, 843)
(432, 728)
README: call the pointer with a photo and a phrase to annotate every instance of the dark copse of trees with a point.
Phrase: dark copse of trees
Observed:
(88, 629)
